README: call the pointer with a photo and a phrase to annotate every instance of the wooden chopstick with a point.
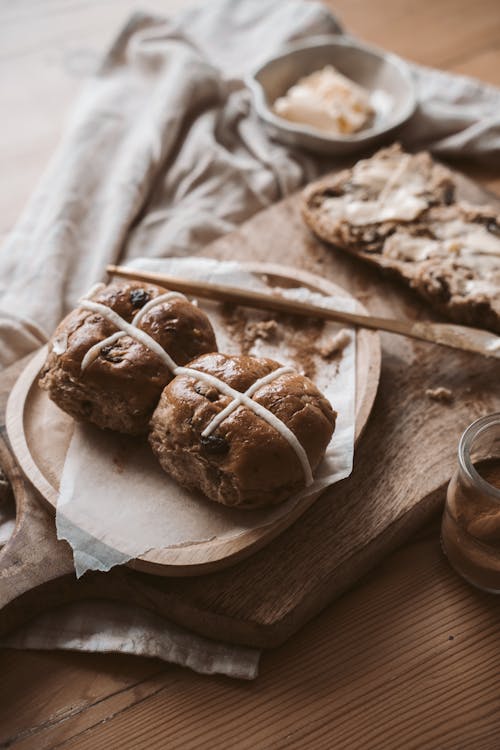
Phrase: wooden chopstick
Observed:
(445, 334)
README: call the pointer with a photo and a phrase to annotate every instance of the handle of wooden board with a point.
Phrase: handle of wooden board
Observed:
(445, 334)
(37, 571)
(35, 568)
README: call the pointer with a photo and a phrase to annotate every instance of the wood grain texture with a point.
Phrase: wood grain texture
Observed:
(484, 64)
(407, 659)
(376, 670)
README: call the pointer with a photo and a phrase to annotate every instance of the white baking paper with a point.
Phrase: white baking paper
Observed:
(115, 501)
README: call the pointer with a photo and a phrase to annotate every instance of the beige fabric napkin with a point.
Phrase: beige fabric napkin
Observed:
(97, 626)
(163, 154)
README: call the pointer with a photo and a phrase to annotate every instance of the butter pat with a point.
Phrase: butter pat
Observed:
(327, 101)
(400, 193)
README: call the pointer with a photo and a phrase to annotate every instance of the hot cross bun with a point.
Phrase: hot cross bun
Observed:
(241, 450)
(110, 358)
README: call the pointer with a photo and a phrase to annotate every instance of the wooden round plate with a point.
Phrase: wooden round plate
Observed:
(28, 405)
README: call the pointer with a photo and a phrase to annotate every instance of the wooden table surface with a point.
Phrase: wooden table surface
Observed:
(410, 658)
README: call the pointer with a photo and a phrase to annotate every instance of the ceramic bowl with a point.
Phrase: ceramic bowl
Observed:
(385, 76)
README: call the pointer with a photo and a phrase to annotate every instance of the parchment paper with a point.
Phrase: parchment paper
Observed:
(116, 502)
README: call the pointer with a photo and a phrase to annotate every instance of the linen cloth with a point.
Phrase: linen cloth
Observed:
(164, 154)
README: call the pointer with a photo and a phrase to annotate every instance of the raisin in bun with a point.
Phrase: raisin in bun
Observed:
(245, 459)
(116, 382)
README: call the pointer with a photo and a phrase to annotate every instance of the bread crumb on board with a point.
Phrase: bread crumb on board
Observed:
(262, 329)
(441, 395)
(336, 345)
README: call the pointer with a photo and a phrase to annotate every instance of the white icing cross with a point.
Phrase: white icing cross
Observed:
(244, 400)
(237, 398)
(129, 329)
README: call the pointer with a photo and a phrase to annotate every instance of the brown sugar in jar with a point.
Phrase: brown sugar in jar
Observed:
(470, 531)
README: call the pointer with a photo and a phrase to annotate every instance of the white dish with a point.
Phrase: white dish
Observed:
(385, 76)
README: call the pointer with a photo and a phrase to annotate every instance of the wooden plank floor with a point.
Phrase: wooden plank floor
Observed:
(409, 659)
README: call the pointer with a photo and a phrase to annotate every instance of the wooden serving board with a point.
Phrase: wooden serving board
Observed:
(42, 462)
(402, 465)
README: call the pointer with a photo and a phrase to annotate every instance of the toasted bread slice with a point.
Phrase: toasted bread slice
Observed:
(399, 212)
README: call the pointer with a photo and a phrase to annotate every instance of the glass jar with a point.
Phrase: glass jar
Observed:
(470, 531)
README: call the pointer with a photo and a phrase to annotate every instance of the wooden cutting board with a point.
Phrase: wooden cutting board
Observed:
(402, 465)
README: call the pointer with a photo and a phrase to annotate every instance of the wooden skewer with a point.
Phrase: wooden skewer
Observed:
(445, 334)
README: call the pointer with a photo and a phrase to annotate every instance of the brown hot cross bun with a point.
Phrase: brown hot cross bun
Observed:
(120, 388)
(245, 462)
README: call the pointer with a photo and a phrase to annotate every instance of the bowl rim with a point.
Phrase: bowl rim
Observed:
(333, 40)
